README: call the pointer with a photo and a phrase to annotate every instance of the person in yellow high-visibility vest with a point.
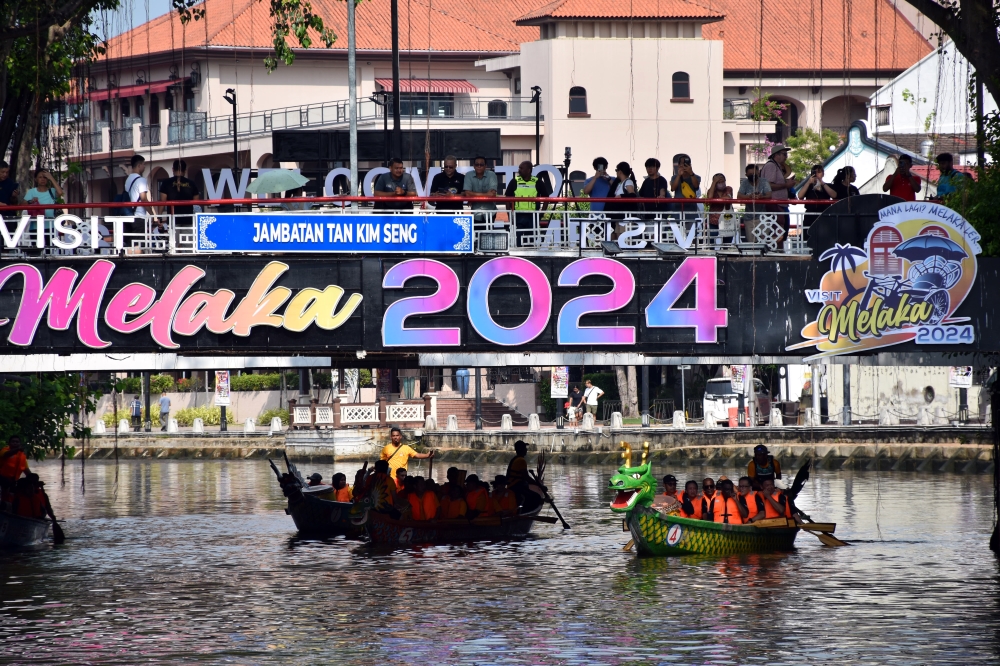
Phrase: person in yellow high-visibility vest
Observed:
(526, 186)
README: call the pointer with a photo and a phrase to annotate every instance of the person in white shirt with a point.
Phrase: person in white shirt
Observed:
(591, 394)
(138, 191)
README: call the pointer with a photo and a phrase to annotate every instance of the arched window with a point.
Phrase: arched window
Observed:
(681, 86)
(577, 100)
(497, 109)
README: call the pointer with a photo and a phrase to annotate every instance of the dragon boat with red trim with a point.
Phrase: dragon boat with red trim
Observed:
(383, 529)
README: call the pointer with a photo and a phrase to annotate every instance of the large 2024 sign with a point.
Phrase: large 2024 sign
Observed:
(180, 310)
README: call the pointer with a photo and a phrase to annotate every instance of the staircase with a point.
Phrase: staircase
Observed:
(465, 410)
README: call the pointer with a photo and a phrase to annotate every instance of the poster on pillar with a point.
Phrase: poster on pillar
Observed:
(222, 397)
(367, 232)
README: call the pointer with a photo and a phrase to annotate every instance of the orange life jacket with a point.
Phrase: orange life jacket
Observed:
(12, 465)
(725, 510)
(779, 497)
(416, 507)
(344, 494)
(504, 502)
(431, 505)
(455, 508)
(30, 505)
(695, 504)
(477, 500)
(752, 502)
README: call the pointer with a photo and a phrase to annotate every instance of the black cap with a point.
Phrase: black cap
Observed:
(670, 477)
(760, 448)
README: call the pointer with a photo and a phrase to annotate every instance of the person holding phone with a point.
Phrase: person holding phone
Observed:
(814, 189)
(901, 183)
(599, 185)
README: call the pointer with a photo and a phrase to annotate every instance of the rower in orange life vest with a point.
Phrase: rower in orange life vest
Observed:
(691, 501)
(750, 499)
(669, 500)
(13, 463)
(724, 508)
(776, 504)
(763, 466)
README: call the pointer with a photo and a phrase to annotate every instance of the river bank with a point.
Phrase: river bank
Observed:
(898, 448)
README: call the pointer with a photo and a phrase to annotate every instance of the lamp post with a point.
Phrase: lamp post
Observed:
(397, 137)
(536, 99)
(230, 97)
(381, 98)
(352, 98)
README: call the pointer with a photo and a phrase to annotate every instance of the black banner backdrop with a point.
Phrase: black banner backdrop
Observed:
(764, 299)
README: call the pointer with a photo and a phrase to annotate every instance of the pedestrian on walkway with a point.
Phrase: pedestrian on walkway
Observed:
(164, 412)
(591, 394)
(135, 411)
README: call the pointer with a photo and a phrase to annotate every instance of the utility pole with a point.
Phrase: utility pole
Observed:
(536, 99)
(397, 137)
(980, 133)
(230, 97)
(352, 97)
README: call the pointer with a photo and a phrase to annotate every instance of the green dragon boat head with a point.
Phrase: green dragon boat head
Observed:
(635, 486)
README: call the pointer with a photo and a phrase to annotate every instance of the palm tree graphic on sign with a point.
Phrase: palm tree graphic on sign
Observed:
(842, 256)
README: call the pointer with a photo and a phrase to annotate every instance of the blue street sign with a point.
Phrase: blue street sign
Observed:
(257, 232)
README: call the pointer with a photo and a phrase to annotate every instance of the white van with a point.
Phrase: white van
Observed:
(720, 396)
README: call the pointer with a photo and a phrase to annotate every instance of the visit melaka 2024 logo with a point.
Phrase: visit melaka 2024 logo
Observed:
(917, 266)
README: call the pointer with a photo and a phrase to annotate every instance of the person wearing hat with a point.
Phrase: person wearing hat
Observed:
(763, 466)
(315, 479)
(670, 486)
(778, 176)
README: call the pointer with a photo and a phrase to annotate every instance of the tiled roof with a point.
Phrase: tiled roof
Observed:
(471, 26)
(637, 9)
(943, 143)
(797, 37)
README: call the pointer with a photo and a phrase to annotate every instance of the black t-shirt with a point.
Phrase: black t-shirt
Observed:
(650, 190)
(445, 184)
(816, 194)
(843, 192)
(179, 188)
(541, 186)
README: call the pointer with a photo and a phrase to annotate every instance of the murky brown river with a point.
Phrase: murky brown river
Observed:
(182, 561)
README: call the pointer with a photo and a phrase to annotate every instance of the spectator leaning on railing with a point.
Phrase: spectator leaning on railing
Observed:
(480, 184)
(448, 183)
(137, 190)
(842, 183)
(395, 184)
(45, 191)
(179, 188)
(814, 189)
(598, 186)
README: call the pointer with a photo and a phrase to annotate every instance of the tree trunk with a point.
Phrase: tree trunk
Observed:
(627, 390)
(27, 132)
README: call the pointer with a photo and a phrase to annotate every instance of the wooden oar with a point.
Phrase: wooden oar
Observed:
(547, 498)
(58, 536)
(628, 546)
(827, 539)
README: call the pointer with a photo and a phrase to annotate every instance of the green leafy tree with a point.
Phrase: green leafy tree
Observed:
(979, 200)
(40, 411)
(809, 147)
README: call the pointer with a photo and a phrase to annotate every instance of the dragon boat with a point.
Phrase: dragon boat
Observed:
(21, 532)
(312, 509)
(383, 529)
(665, 533)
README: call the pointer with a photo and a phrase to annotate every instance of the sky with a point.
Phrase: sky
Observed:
(131, 13)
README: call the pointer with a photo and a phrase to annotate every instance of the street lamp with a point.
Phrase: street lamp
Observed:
(381, 98)
(230, 97)
(536, 99)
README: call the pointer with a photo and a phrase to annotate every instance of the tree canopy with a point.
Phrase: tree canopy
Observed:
(41, 409)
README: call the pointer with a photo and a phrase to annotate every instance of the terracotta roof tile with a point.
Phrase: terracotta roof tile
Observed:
(638, 9)
(796, 37)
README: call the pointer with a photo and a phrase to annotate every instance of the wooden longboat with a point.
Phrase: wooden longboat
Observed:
(657, 533)
(382, 529)
(315, 514)
(20, 532)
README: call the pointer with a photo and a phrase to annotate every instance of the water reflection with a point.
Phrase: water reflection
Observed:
(195, 560)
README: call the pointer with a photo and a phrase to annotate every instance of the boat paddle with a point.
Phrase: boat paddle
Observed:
(826, 539)
(548, 499)
(58, 536)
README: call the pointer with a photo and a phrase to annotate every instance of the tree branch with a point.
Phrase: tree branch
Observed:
(70, 10)
(938, 14)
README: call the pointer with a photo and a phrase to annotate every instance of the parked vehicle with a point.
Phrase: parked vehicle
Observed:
(720, 397)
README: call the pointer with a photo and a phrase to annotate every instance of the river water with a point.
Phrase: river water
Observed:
(185, 561)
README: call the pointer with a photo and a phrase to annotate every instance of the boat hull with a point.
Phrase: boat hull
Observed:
(321, 517)
(20, 532)
(666, 535)
(383, 529)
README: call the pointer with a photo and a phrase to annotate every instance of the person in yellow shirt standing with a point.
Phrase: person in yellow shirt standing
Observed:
(398, 454)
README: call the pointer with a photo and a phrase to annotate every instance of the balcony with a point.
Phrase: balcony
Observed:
(149, 135)
(736, 108)
(190, 127)
(91, 142)
(121, 139)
